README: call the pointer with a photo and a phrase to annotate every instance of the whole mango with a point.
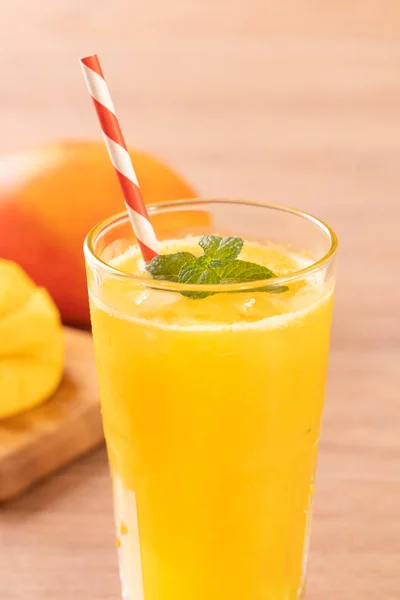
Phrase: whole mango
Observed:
(49, 200)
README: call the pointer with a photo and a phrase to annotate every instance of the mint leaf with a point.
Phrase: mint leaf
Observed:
(196, 272)
(221, 250)
(167, 266)
(210, 244)
(240, 271)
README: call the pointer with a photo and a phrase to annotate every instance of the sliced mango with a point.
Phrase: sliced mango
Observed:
(31, 342)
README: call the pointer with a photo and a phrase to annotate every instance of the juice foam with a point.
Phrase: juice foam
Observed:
(130, 300)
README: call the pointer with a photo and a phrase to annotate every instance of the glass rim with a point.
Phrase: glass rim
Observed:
(94, 260)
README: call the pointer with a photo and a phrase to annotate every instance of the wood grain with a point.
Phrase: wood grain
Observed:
(35, 444)
(296, 102)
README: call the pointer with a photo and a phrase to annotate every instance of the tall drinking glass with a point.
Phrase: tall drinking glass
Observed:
(212, 406)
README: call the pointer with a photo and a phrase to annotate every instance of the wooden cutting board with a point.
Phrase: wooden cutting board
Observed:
(38, 442)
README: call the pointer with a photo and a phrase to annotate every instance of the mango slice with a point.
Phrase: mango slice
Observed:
(31, 342)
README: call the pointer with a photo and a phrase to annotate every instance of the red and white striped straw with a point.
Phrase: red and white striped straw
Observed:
(119, 156)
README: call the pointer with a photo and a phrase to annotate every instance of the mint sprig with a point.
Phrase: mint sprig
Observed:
(219, 264)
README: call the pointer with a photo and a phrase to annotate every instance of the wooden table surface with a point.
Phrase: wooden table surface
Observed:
(298, 102)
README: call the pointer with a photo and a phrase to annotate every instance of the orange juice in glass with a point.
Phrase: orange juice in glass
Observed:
(212, 405)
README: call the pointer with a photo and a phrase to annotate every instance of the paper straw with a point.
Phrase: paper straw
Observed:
(119, 156)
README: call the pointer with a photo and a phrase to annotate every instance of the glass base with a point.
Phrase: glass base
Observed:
(174, 572)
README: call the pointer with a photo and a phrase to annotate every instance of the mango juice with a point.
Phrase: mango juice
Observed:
(211, 411)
